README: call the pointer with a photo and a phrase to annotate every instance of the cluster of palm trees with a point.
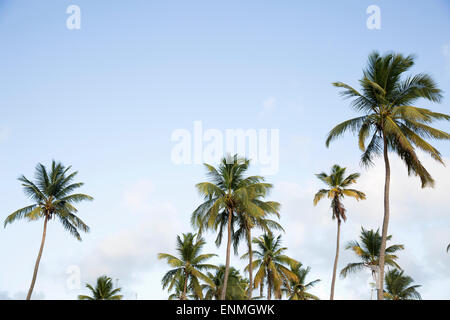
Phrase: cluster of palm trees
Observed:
(235, 204)
(193, 278)
(389, 123)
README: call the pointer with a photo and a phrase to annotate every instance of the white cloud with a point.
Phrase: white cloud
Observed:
(131, 254)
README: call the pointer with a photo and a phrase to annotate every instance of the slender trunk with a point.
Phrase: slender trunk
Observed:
(269, 287)
(261, 290)
(227, 264)
(183, 297)
(38, 260)
(385, 220)
(333, 281)
(250, 266)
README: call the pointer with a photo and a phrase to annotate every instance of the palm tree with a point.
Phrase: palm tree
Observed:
(226, 194)
(104, 290)
(272, 265)
(179, 290)
(369, 253)
(244, 233)
(398, 287)
(392, 122)
(338, 183)
(188, 266)
(53, 197)
(297, 289)
(236, 288)
(246, 222)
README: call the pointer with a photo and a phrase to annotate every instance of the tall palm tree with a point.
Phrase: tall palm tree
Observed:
(236, 288)
(369, 253)
(392, 123)
(398, 287)
(298, 289)
(104, 290)
(338, 183)
(53, 197)
(188, 266)
(246, 222)
(272, 265)
(227, 193)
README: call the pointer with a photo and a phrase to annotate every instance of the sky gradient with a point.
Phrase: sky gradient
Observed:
(106, 99)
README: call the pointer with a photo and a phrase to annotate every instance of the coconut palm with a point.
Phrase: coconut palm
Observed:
(298, 289)
(53, 196)
(236, 288)
(227, 193)
(392, 123)
(272, 265)
(398, 286)
(246, 222)
(338, 184)
(178, 289)
(368, 251)
(188, 266)
(244, 233)
(104, 290)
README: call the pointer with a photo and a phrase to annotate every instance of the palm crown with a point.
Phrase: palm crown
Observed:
(53, 197)
(272, 265)
(236, 288)
(368, 251)
(338, 183)
(188, 265)
(297, 289)
(104, 290)
(399, 286)
(386, 100)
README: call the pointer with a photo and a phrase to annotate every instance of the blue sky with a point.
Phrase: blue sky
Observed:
(106, 99)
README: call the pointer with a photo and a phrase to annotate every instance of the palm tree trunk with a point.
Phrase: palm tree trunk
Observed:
(38, 260)
(250, 266)
(269, 288)
(183, 296)
(385, 220)
(333, 281)
(227, 264)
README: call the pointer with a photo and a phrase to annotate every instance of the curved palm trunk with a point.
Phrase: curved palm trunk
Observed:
(227, 264)
(250, 266)
(38, 260)
(333, 280)
(385, 220)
